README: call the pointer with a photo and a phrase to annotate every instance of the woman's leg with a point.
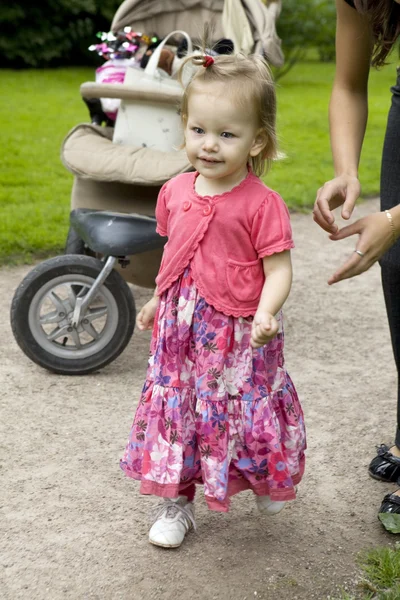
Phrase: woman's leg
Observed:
(391, 291)
(390, 262)
(386, 466)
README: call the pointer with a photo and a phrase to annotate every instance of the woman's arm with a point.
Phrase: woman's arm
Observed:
(348, 112)
(278, 281)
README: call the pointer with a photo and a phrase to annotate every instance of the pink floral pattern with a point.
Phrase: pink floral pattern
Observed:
(213, 410)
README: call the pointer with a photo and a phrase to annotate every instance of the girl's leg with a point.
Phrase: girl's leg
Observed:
(267, 507)
(174, 518)
(189, 491)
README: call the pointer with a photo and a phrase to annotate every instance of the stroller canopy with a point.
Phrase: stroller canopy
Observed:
(250, 23)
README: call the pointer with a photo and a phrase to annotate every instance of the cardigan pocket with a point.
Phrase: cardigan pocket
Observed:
(245, 279)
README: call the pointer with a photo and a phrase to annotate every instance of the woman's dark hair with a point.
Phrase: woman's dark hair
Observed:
(384, 17)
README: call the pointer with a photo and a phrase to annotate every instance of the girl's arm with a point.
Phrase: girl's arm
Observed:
(348, 113)
(278, 281)
(145, 318)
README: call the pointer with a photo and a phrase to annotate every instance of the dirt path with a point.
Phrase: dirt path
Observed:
(73, 527)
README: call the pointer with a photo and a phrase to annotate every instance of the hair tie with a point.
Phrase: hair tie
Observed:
(208, 61)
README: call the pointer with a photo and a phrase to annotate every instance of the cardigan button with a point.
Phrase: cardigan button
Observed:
(186, 206)
(207, 210)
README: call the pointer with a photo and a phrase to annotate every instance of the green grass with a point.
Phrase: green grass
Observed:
(303, 98)
(381, 575)
(39, 107)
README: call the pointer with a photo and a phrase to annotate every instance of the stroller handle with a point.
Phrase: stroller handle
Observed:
(130, 92)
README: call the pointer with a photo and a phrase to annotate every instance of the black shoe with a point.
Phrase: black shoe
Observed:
(390, 504)
(385, 466)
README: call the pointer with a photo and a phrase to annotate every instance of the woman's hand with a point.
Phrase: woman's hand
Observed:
(264, 328)
(345, 190)
(376, 237)
(145, 318)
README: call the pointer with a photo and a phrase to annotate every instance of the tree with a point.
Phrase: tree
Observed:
(304, 25)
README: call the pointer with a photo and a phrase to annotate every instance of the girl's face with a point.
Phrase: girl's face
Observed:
(220, 136)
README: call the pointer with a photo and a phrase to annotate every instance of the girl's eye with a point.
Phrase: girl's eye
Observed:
(227, 135)
(198, 130)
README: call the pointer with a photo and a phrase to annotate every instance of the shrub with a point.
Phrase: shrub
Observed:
(58, 32)
(52, 33)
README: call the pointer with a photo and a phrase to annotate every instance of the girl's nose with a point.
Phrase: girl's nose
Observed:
(210, 143)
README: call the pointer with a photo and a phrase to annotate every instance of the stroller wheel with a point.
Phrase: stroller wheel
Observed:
(42, 312)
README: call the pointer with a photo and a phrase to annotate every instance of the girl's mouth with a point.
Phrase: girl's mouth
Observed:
(209, 160)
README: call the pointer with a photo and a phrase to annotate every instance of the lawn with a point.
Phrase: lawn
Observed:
(40, 106)
(380, 575)
(303, 98)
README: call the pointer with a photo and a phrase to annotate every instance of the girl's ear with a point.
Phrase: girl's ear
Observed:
(259, 144)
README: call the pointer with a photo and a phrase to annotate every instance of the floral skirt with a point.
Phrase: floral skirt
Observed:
(213, 410)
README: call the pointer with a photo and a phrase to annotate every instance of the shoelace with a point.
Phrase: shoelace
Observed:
(172, 509)
(384, 452)
(382, 449)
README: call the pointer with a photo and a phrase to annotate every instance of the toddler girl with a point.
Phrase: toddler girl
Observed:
(218, 407)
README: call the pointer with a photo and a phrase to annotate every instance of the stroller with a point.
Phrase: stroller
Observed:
(74, 314)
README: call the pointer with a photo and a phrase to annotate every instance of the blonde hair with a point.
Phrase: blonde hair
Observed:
(250, 83)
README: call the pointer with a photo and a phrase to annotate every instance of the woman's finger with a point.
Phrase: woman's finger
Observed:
(322, 213)
(319, 219)
(324, 206)
(356, 227)
(353, 192)
(355, 265)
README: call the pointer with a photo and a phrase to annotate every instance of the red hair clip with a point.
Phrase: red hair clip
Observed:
(208, 61)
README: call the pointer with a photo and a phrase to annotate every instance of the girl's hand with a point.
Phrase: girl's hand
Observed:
(345, 190)
(264, 328)
(375, 238)
(145, 318)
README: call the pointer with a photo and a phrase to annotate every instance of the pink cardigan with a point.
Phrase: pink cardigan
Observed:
(223, 237)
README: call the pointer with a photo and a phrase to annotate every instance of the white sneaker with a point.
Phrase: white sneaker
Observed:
(172, 521)
(266, 506)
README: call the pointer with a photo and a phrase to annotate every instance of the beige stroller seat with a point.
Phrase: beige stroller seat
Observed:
(126, 177)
